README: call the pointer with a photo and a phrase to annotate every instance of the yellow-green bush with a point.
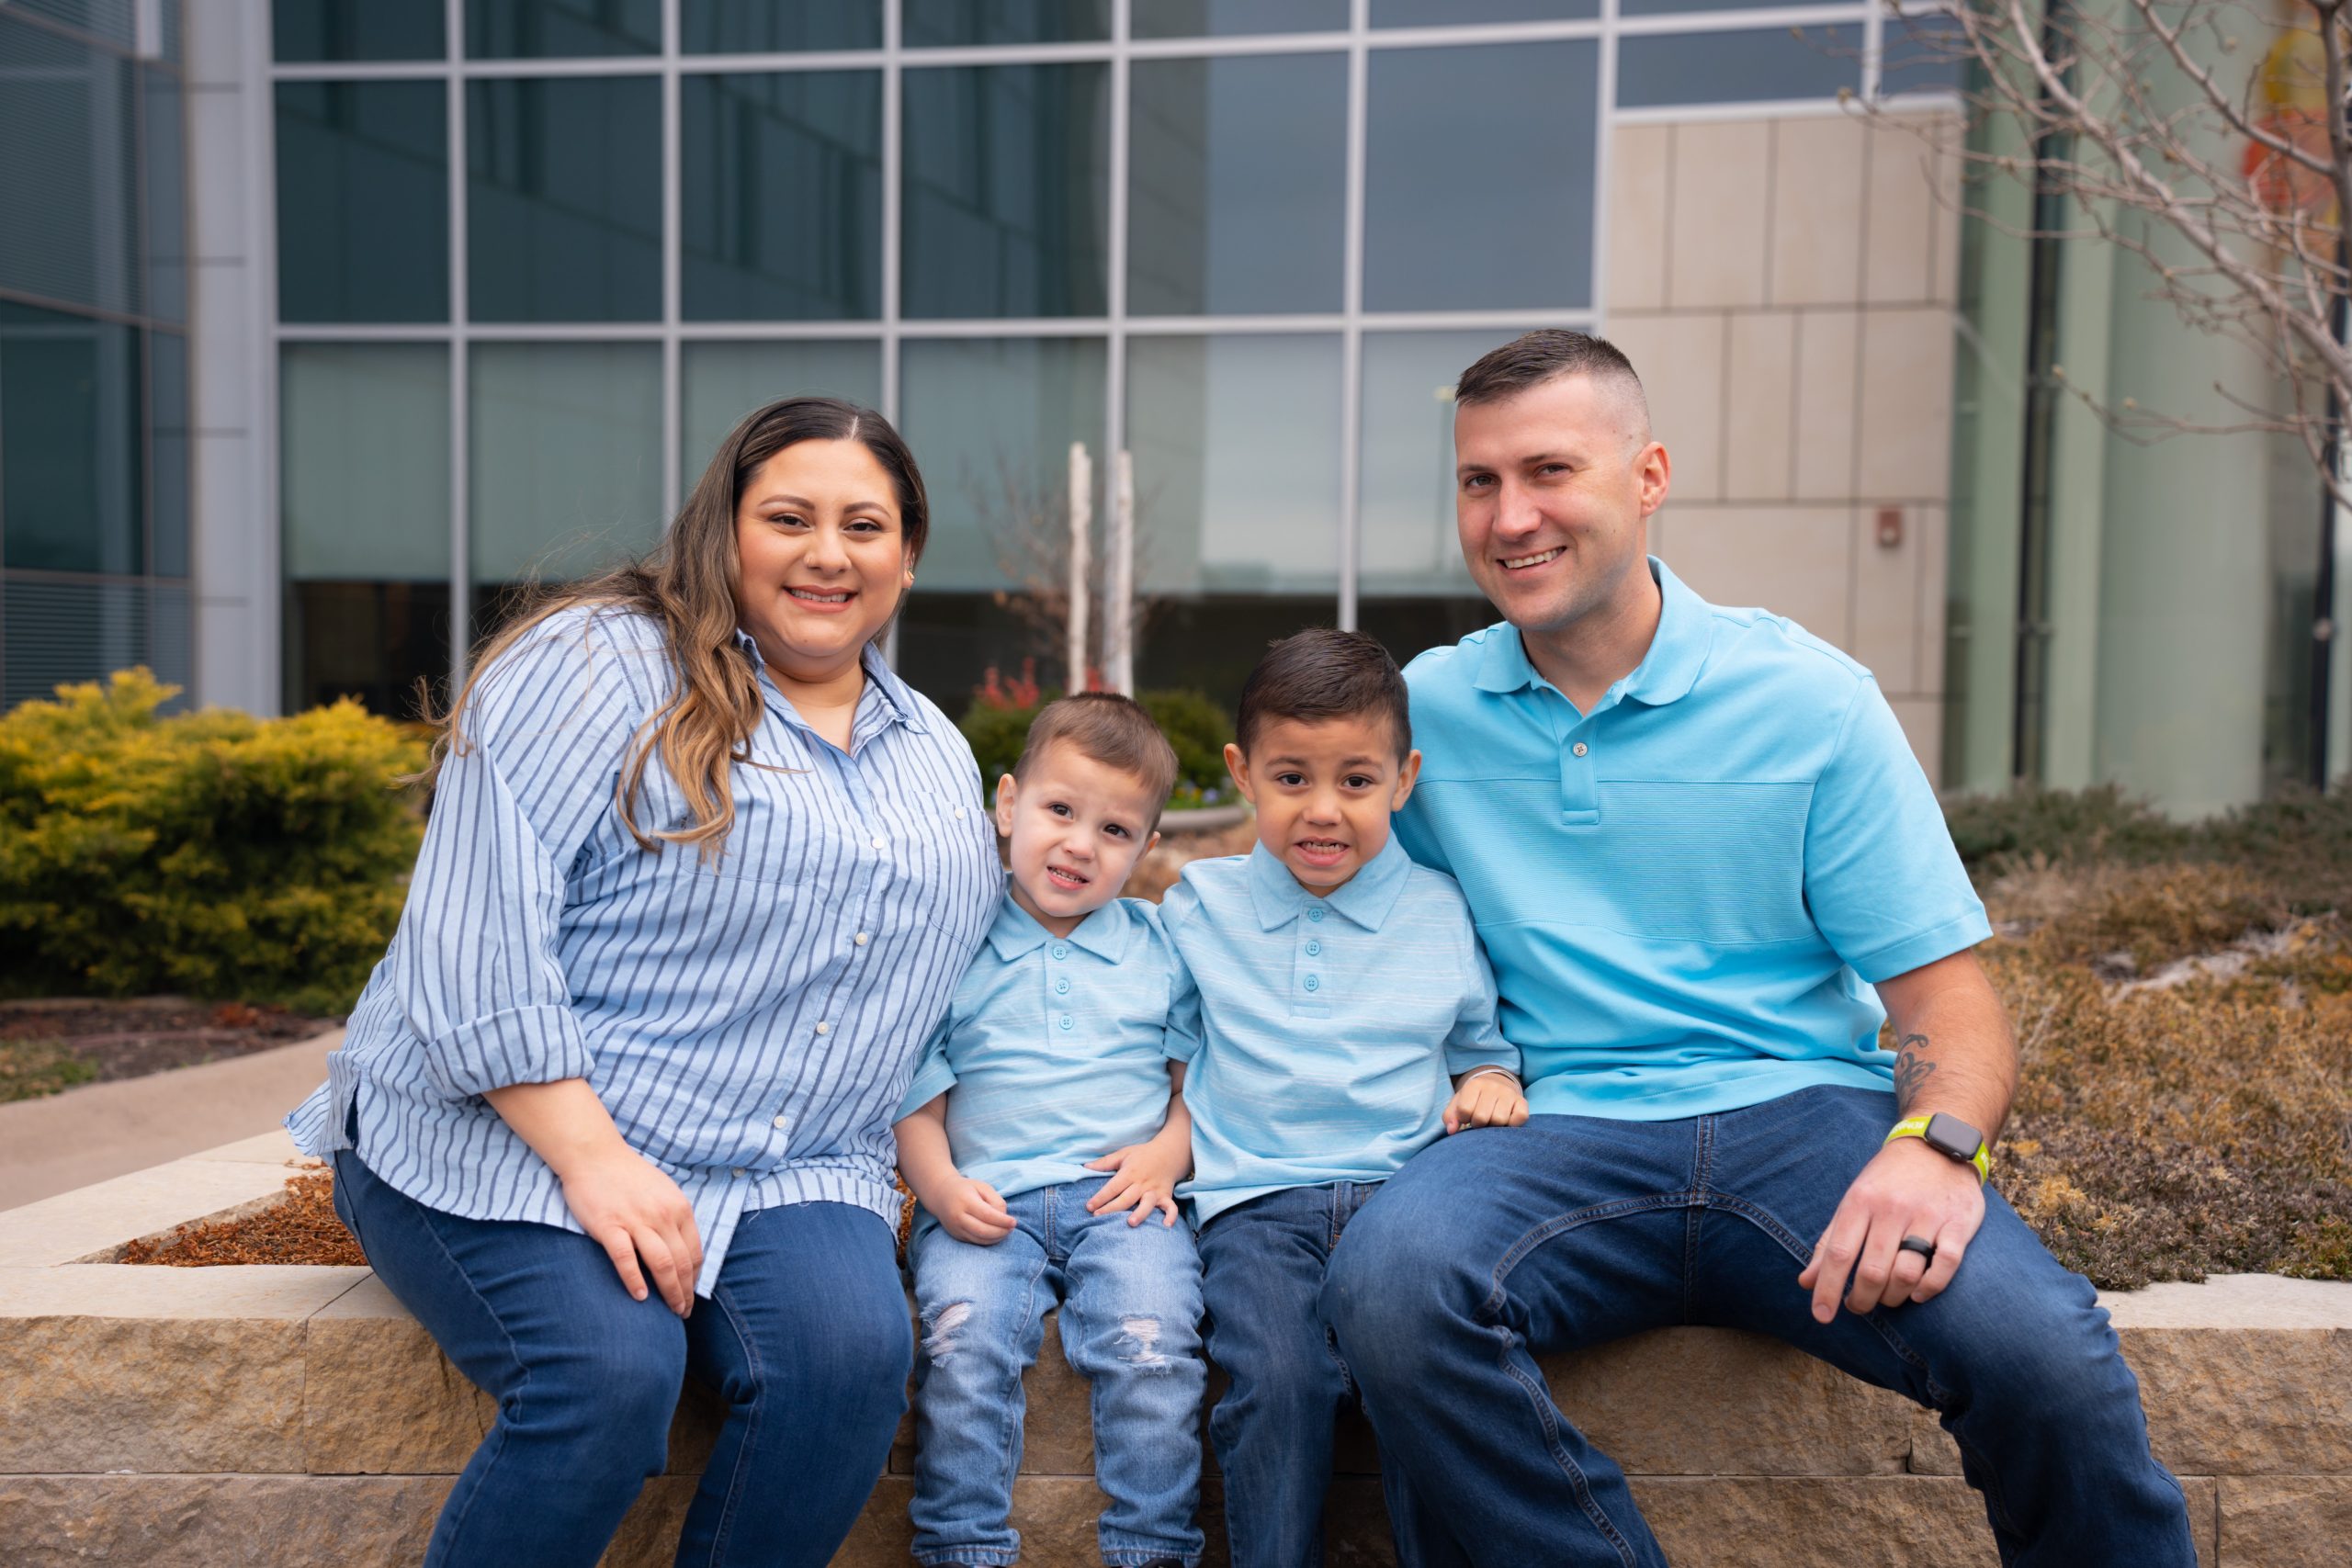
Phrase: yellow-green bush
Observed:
(209, 853)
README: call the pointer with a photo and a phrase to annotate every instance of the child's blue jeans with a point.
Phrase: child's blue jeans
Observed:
(1262, 1264)
(1130, 1314)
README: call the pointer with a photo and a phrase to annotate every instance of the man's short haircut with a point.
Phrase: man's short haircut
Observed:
(1546, 354)
(1110, 729)
(1319, 675)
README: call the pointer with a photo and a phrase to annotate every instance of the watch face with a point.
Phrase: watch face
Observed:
(1951, 1135)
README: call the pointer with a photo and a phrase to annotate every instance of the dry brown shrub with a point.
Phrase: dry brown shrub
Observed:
(2154, 914)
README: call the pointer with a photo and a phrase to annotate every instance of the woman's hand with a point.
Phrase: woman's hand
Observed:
(633, 1211)
(1485, 1100)
(969, 1211)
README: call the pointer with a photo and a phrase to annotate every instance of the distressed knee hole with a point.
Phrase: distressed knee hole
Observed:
(941, 1326)
(1139, 1344)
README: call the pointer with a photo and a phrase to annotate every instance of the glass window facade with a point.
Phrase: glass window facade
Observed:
(94, 374)
(652, 239)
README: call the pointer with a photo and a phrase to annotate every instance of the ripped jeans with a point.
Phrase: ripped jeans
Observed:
(1130, 1325)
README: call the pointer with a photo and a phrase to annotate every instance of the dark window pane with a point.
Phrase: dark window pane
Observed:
(1665, 8)
(1764, 66)
(938, 23)
(167, 438)
(561, 30)
(1240, 184)
(1006, 190)
(740, 27)
(371, 640)
(359, 29)
(1225, 18)
(115, 21)
(363, 201)
(1923, 54)
(1446, 13)
(1408, 627)
(71, 480)
(563, 200)
(60, 632)
(171, 639)
(782, 197)
(1478, 177)
(165, 146)
(69, 210)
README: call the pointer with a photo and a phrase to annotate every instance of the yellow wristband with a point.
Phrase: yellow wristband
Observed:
(1916, 1127)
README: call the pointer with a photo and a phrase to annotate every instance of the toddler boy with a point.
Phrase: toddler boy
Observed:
(1338, 1016)
(1044, 1124)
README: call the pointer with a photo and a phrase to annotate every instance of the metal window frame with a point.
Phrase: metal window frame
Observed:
(891, 329)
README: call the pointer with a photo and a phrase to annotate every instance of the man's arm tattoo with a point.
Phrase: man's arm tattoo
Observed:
(1912, 1069)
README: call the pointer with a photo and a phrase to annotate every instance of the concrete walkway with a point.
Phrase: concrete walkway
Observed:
(70, 1140)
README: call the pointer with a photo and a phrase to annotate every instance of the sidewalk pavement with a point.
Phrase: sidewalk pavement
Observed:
(70, 1140)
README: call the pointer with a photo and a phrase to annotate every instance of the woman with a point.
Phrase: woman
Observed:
(700, 876)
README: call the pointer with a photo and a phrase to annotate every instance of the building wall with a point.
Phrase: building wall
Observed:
(1786, 287)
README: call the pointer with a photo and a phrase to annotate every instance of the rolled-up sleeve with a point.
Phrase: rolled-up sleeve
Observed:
(477, 975)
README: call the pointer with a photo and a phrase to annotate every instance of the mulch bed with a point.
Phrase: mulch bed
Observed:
(83, 1041)
(302, 1229)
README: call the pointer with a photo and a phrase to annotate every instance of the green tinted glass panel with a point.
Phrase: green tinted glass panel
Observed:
(305, 31)
(1479, 177)
(743, 27)
(781, 200)
(1240, 184)
(935, 23)
(721, 382)
(560, 29)
(163, 126)
(1448, 13)
(1409, 546)
(1766, 66)
(363, 202)
(72, 484)
(70, 215)
(1006, 190)
(1226, 19)
(364, 455)
(564, 457)
(167, 442)
(563, 200)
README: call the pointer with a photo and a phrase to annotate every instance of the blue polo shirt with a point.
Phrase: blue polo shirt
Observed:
(1323, 1031)
(1687, 892)
(1054, 1047)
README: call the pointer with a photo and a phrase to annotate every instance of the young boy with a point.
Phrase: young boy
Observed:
(1341, 1016)
(1044, 1125)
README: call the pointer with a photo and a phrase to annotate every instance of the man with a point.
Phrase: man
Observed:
(1694, 840)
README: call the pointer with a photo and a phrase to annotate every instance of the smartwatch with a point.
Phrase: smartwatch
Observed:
(1949, 1136)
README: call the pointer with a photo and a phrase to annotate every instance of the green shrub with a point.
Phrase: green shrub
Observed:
(2060, 825)
(1195, 726)
(209, 853)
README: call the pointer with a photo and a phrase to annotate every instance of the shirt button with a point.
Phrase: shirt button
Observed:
(823, 1028)
(1068, 1023)
(1061, 988)
(959, 814)
(1314, 949)
(1314, 984)
(877, 844)
(861, 939)
(1060, 951)
(783, 1121)
(738, 1173)
(1316, 913)
(1579, 748)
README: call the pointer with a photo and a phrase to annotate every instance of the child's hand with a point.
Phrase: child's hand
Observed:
(971, 1211)
(1145, 1178)
(1485, 1100)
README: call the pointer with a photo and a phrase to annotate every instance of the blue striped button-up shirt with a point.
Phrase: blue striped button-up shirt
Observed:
(751, 1025)
(1323, 1031)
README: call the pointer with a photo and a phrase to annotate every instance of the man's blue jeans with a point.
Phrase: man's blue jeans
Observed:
(805, 1338)
(1130, 1315)
(1262, 1266)
(1499, 1244)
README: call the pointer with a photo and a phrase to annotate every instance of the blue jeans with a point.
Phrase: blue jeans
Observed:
(1498, 1245)
(805, 1338)
(1262, 1264)
(1130, 1311)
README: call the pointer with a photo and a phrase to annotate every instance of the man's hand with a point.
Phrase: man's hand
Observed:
(969, 1211)
(1907, 1190)
(1485, 1100)
(1145, 1178)
(632, 1210)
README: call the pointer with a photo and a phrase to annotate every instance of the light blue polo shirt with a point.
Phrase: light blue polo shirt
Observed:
(1687, 892)
(1054, 1048)
(1323, 1032)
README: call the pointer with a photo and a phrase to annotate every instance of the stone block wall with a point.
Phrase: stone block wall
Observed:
(185, 1419)
(1787, 288)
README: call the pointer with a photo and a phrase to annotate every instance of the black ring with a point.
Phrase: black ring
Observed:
(1926, 1250)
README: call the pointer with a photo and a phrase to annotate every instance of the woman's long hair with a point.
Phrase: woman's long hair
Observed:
(688, 585)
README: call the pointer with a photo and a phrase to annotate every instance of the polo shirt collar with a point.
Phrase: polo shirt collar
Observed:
(1016, 933)
(1677, 652)
(1366, 898)
(896, 696)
